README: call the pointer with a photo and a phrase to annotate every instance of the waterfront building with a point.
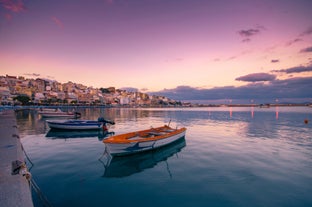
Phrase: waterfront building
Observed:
(5, 95)
(49, 91)
(39, 98)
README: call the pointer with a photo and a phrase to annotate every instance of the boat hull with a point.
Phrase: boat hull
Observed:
(126, 148)
(127, 165)
(58, 114)
(53, 115)
(74, 125)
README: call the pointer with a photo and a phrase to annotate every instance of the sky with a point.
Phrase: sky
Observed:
(184, 49)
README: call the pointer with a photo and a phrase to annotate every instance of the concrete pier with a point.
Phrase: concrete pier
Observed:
(14, 188)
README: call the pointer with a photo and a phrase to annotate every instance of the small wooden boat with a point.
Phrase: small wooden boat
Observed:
(144, 140)
(72, 124)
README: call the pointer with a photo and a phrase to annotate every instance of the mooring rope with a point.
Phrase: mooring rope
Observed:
(41, 196)
(26, 154)
(24, 171)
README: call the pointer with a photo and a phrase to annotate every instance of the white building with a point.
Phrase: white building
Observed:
(39, 97)
(124, 100)
(5, 95)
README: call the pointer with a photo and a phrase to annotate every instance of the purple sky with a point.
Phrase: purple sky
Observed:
(154, 45)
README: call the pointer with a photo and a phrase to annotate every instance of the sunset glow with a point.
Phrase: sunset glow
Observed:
(153, 45)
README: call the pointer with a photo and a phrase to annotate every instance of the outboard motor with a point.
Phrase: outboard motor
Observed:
(77, 115)
(101, 119)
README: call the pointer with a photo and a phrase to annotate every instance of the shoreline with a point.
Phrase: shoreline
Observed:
(35, 107)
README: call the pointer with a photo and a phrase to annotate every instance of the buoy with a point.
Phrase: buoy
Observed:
(306, 121)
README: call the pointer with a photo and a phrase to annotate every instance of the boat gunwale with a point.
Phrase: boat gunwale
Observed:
(74, 122)
(138, 136)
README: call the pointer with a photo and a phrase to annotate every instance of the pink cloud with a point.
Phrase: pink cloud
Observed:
(308, 49)
(32, 74)
(12, 5)
(248, 33)
(308, 31)
(293, 41)
(232, 58)
(58, 22)
(275, 61)
(7, 16)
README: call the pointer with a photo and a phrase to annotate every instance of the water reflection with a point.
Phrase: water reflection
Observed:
(62, 134)
(252, 111)
(276, 112)
(128, 165)
(29, 122)
(241, 149)
(257, 121)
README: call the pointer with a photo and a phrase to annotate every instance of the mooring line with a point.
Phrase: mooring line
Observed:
(32, 182)
(41, 196)
(26, 155)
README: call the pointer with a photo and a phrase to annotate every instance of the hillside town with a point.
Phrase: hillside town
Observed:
(18, 90)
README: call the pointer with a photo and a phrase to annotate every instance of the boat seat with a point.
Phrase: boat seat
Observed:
(156, 133)
(169, 130)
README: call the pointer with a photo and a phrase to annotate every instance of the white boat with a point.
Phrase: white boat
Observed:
(42, 110)
(78, 124)
(58, 113)
(144, 140)
(264, 105)
(127, 165)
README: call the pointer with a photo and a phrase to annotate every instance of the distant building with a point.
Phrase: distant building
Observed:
(124, 100)
(70, 97)
(5, 95)
(50, 92)
(39, 98)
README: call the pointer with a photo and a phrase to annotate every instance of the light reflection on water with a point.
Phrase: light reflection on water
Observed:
(235, 156)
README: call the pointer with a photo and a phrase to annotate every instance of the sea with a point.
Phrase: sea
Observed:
(230, 156)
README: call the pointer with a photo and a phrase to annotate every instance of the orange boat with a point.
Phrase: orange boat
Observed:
(143, 140)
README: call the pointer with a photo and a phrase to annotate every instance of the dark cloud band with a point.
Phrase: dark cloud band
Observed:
(256, 77)
(298, 69)
(289, 88)
(308, 49)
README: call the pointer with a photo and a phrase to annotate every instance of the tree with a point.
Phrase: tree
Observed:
(24, 99)
(104, 90)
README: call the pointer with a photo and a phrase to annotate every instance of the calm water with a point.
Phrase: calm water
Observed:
(229, 157)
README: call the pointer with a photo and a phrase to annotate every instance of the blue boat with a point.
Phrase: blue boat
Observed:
(73, 124)
(70, 134)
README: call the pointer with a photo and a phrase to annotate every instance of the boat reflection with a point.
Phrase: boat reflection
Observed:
(65, 134)
(128, 165)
